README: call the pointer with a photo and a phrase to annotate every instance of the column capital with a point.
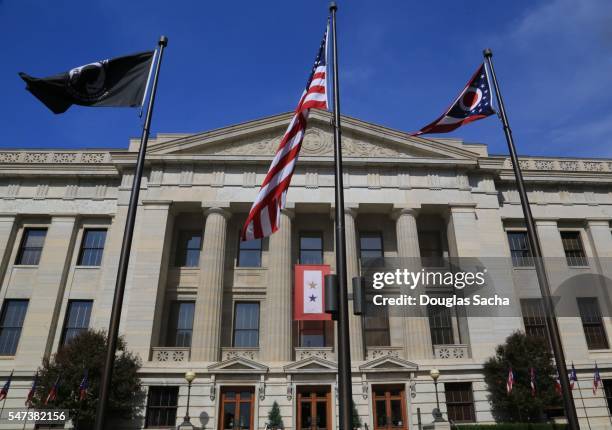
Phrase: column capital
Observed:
(399, 211)
(289, 212)
(223, 211)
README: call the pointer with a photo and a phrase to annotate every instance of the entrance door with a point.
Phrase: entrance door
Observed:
(389, 407)
(237, 408)
(314, 408)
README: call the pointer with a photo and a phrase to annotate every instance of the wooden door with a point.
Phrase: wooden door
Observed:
(237, 408)
(389, 407)
(314, 408)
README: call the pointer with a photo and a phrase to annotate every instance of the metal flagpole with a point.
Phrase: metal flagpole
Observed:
(124, 259)
(536, 249)
(345, 392)
(582, 400)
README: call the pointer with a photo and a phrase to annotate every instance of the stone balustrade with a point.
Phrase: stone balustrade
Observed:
(172, 354)
(451, 351)
(234, 352)
(326, 353)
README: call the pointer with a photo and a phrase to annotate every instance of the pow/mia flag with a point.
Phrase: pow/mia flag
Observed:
(118, 81)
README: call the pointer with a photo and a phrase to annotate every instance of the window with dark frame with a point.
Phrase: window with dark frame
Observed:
(592, 323)
(31, 246)
(78, 314)
(92, 247)
(246, 325)
(249, 253)
(162, 403)
(607, 385)
(520, 249)
(311, 248)
(440, 325)
(180, 324)
(534, 318)
(460, 402)
(11, 323)
(371, 249)
(188, 249)
(315, 334)
(430, 246)
(376, 325)
(574, 251)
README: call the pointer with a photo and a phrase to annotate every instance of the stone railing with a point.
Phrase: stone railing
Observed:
(174, 354)
(451, 351)
(248, 353)
(374, 352)
(326, 353)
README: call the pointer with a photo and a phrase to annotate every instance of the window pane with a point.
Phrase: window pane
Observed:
(92, 247)
(460, 402)
(77, 318)
(534, 318)
(311, 248)
(188, 248)
(180, 324)
(572, 245)
(11, 322)
(31, 246)
(161, 406)
(520, 249)
(246, 324)
(312, 334)
(440, 324)
(249, 253)
(592, 324)
(376, 325)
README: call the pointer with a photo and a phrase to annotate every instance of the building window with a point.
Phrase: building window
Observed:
(77, 319)
(376, 325)
(440, 325)
(534, 318)
(249, 253)
(371, 249)
(572, 245)
(237, 405)
(592, 323)
(92, 247)
(188, 249)
(520, 249)
(607, 384)
(161, 406)
(246, 324)
(430, 246)
(315, 334)
(460, 402)
(11, 322)
(311, 248)
(389, 407)
(180, 325)
(31, 246)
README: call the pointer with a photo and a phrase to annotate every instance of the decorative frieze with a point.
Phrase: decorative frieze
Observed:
(403, 179)
(564, 165)
(52, 157)
(100, 192)
(373, 178)
(186, 177)
(12, 190)
(156, 176)
(41, 191)
(70, 191)
(170, 354)
(249, 179)
(326, 353)
(218, 178)
(312, 179)
(383, 351)
(450, 351)
(248, 353)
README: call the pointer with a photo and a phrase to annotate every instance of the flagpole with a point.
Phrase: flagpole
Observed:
(582, 400)
(124, 259)
(551, 319)
(345, 391)
(25, 421)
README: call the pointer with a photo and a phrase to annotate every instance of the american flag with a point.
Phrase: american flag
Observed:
(53, 392)
(558, 388)
(83, 386)
(510, 381)
(264, 219)
(5, 389)
(473, 103)
(32, 392)
(573, 377)
(596, 379)
(532, 380)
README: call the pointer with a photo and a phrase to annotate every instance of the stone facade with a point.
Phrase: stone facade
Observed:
(395, 184)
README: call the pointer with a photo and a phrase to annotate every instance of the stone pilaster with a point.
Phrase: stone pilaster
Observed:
(207, 319)
(276, 334)
(463, 235)
(416, 337)
(352, 270)
(43, 310)
(7, 239)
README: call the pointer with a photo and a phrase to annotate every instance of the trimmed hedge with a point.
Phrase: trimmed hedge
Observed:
(511, 426)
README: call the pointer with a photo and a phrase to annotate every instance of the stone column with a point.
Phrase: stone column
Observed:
(208, 309)
(416, 337)
(43, 310)
(276, 322)
(352, 270)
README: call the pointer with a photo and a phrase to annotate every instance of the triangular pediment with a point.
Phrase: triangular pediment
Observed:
(312, 365)
(389, 364)
(238, 365)
(261, 137)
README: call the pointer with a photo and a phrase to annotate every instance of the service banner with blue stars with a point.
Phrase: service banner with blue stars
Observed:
(310, 293)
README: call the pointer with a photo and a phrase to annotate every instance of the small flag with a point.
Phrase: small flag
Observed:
(558, 384)
(264, 217)
(5, 389)
(83, 386)
(473, 103)
(596, 379)
(532, 380)
(32, 392)
(510, 381)
(309, 292)
(119, 81)
(573, 377)
(53, 392)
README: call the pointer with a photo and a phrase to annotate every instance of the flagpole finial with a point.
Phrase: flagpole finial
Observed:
(487, 52)
(163, 41)
(333, 6)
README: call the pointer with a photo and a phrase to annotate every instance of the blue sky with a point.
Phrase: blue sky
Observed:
(401, 63)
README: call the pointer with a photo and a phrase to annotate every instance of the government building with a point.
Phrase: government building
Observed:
(197, 299)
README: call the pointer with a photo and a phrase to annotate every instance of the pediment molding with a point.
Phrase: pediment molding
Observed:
(388, 364)
(312, 365)
(238, 365)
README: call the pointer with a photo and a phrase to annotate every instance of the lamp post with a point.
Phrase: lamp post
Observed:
(435, 374)
(186, 424)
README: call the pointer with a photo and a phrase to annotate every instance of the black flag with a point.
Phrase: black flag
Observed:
(118, 81)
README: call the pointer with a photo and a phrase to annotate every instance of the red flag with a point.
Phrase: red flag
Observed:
(52, 396)
(510, 381)
(309, 298)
